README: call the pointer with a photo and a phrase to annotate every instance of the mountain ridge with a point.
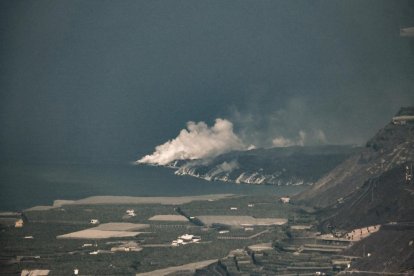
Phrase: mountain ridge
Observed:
(373, 188)
(392, 146)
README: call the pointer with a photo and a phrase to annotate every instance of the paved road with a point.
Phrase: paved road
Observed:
(243, 238)
(356, 272)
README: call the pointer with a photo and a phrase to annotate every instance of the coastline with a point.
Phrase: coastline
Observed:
(108, 200)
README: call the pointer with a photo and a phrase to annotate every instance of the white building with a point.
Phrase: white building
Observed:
(185, 239)
(402, 120)
(404, 116)
(285, 199)
(129, 246)
(131, 212)
(19, 223)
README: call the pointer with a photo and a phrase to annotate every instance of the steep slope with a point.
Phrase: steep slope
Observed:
(380, 200)
(276, 166)
(391, 251)
(391, 147)
(371, 188)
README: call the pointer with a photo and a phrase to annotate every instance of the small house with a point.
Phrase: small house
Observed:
(131, 212)
(404, 116)
(19, 223)
(285, 199)
(185, 239)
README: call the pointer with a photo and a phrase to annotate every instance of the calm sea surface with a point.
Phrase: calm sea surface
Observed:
(23, 186)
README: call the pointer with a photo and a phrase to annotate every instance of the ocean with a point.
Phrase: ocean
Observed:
(27, 185)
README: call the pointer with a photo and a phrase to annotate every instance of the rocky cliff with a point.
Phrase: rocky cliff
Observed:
(275, 166)
(391, 149)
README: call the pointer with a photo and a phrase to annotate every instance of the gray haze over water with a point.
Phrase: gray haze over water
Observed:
(107, 81)
(24, 186)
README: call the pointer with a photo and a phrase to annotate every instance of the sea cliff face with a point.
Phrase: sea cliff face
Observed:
(275, 166)
(256, 177)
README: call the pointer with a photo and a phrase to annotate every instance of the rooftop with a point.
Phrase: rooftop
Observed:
(406, 111)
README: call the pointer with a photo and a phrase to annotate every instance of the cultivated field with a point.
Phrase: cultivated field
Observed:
(106, 231)
(168, 218)
(92, 234)
(241, 220)
(88, 247)
(121, 226)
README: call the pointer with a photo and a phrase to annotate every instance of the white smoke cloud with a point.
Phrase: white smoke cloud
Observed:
(302, 138)
(316, 137)
(282, 142)
(224, 167)
(198, 141)
(320, 136)
(282, 126)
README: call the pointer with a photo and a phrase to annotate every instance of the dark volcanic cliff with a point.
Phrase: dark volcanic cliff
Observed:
(380, 200)
(275, 166)
(371, 188)
(391, 148)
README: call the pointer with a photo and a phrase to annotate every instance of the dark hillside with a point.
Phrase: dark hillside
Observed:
(391, 147)
(391, 250)
(387, 198)
(277, 166)
(373, 187)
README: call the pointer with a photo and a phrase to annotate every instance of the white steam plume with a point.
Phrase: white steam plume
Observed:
(224, 167)
(316, 137)
(196, 142)
(282, 142)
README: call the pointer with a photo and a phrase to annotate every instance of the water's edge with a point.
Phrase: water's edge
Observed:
(26, 185)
